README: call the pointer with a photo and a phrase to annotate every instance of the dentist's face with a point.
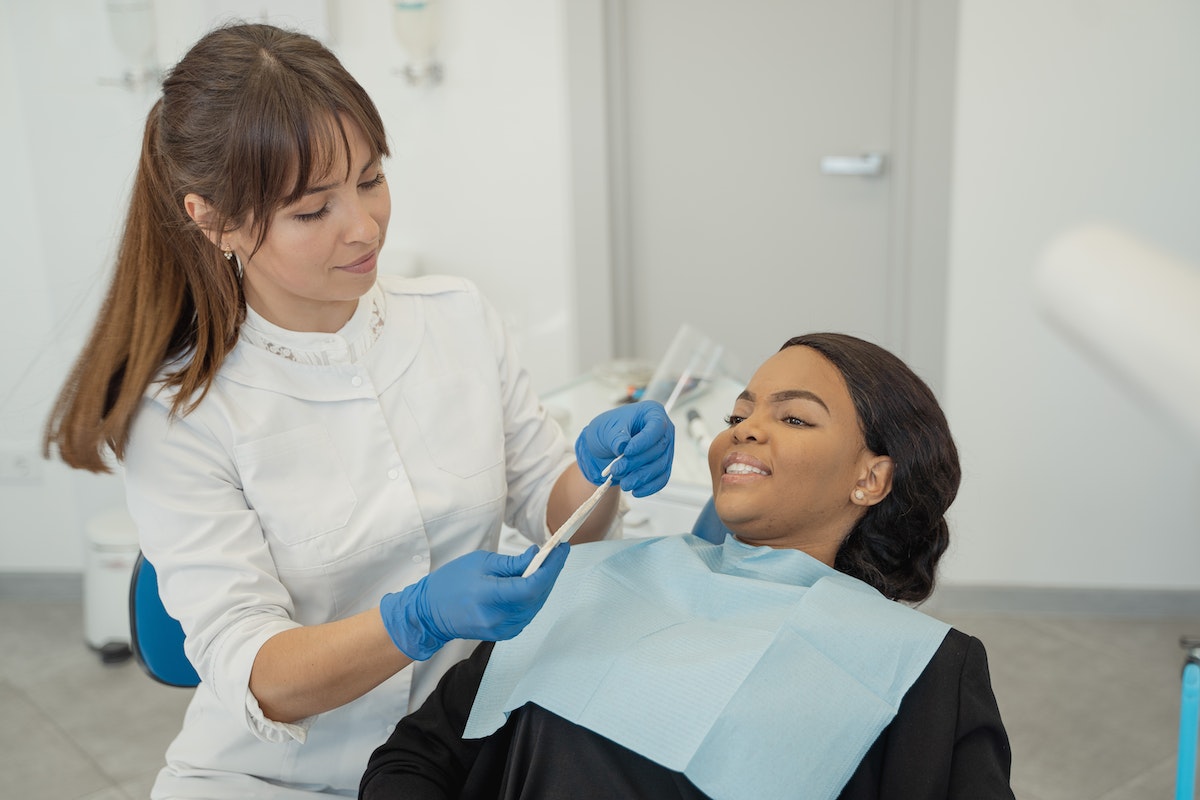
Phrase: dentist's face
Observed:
(320, 253)
(785, 470)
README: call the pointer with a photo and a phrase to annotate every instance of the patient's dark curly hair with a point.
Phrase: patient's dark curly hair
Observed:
(896, 545)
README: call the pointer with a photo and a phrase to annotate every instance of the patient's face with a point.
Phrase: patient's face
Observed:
(785, 469)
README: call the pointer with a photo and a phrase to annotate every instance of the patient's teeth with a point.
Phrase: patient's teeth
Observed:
(743, 469)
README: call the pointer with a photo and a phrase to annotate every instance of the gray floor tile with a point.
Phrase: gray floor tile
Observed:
(90, 701)
(1091, 705)
(1158, 782)
(38, 638)
(113, 793)
(138, 787)
(44, 656)
(38, 761)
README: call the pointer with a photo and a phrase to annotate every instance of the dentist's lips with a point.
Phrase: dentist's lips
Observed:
(739, 467)
(363, 265)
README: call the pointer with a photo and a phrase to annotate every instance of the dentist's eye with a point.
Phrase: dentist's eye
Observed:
(377, 181)
(320, 213)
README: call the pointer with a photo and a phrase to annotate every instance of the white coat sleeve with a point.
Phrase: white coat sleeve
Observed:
(215, 571)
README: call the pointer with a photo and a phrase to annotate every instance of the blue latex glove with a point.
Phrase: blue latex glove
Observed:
(477, 596)
(643, 433)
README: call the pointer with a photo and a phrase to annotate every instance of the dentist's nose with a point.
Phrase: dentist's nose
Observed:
(363, 227)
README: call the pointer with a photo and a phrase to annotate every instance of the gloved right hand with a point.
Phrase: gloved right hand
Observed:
(480, 595)
(642, 434)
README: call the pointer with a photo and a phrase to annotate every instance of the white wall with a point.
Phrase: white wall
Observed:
(478, 179)
(69, 145)
(479, 173)
(1068, 112)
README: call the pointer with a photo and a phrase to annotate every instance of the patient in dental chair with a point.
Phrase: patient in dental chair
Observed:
(783, 659)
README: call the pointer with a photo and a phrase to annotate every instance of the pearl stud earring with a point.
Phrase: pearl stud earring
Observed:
(858, 494)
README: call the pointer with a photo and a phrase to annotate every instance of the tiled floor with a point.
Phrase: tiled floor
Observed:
(1091, 705)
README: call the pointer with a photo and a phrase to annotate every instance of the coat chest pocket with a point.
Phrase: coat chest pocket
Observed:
(295, 481)
(459, 417)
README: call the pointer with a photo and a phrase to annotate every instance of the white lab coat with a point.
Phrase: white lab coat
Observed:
(319, 473)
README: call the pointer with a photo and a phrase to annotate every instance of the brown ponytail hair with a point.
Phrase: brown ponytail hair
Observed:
(247, 118)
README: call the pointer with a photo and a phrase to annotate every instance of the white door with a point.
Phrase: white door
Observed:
(720, 115)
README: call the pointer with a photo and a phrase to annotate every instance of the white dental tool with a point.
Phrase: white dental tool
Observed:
(698, 430)
(573, 523)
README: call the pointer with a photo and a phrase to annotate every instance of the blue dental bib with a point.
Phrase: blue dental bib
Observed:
(751, 670)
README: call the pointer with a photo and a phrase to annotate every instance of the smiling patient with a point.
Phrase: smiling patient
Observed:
(782, 661)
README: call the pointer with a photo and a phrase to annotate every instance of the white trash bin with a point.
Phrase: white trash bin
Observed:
(112, 548)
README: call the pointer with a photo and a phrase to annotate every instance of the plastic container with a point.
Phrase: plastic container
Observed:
(112, 548)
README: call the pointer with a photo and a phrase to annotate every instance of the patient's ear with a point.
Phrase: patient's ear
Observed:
(203, 214)
(875, 482)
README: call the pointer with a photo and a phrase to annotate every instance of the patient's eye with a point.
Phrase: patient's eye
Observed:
(733, 419)
(795, 421)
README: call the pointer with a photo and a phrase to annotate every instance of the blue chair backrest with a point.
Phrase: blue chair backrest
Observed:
(156, 638)
(708, 525)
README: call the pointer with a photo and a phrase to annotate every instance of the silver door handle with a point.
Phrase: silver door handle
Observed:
(867, 164)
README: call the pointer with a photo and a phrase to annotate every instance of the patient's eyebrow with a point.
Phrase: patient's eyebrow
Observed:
(787, 394)
(798, 394)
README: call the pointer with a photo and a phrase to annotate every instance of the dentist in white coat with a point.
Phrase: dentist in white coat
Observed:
(319, 459)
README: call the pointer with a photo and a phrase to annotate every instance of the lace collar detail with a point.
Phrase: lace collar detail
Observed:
(321, 349)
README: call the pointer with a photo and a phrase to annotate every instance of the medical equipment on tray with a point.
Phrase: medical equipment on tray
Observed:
(698, 431)
(689, 367)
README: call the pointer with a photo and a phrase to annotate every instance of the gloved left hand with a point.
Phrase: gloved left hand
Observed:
(642, 433)
(479, 595)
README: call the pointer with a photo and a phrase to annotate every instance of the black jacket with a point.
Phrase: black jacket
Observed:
(946, 741)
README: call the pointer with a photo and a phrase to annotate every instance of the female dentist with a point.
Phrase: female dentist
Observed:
(318, 458)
